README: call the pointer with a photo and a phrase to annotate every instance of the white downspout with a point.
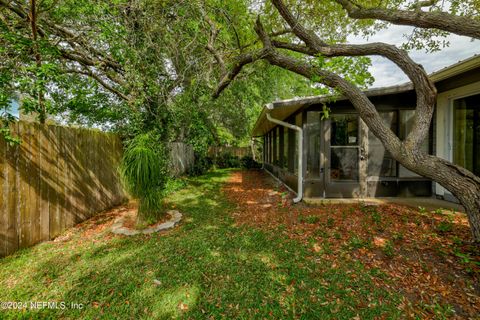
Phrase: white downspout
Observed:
(300, 150)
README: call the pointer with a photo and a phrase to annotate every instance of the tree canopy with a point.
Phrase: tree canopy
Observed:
(134, 66)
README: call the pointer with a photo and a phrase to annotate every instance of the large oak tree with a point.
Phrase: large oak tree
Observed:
(300, 53)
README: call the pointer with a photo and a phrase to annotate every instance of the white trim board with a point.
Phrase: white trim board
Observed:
(444, 129)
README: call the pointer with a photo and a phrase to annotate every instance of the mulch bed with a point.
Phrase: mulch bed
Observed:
(426, 256)
(103, 221)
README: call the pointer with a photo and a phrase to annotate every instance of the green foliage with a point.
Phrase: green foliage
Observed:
(173, 185)
(445, 225)
(356, 242)
(353, 69)
(160, 63)
(6, 113)
(6, 118)
(227, 160)
(309, 219)
(330, 222)
(388, 249)
(325, 112)
(247, 162)
(144, 172)
(422, 210)
(201, 165)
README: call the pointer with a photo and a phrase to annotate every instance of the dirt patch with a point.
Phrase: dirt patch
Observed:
(426, 256)
(97, 224)
(123, 216)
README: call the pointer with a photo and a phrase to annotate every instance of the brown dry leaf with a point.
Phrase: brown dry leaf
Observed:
(424, 265)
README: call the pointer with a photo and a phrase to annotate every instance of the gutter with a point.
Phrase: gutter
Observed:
(299, 197)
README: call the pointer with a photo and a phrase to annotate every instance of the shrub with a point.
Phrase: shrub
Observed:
(144, 173)
(227, 160)
(201, 165)
(247, 162)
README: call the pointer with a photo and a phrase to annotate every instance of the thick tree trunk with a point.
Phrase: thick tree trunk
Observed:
(463, 184)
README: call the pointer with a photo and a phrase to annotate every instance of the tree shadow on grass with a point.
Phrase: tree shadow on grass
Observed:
(206, 267)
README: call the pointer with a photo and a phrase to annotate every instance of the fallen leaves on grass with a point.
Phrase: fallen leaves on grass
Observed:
(425, 256)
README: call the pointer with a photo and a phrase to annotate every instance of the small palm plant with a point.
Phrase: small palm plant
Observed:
(144, 173)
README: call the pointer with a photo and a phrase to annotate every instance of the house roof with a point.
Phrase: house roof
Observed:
(282, 109)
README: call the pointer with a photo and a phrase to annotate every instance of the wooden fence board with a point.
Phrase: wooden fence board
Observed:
(54, 179)
(58, 177)
(240, 152)
(57, 198)
(51, 167)
(12, 190)
(3, 200)
(24, 188)
(35, 190)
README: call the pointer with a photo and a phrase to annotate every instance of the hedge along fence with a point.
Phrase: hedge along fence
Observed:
(56, 178)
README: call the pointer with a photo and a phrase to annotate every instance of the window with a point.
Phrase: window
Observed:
(344, 130)
(466, 133)
(380, 162)
(344, 147)
(313, 135)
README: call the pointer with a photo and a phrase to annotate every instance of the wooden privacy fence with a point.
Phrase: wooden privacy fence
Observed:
(56, 178)
(236, 151)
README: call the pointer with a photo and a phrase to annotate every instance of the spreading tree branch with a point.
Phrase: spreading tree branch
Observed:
(211, 44)
(359, 100)
(424, 87)
(460, 25)
(237, 66)
(80, 51)
(307, 36)
(102, 82)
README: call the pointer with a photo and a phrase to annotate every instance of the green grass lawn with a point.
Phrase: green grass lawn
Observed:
(206, 267)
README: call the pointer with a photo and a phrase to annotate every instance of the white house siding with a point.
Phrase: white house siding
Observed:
(444, 128)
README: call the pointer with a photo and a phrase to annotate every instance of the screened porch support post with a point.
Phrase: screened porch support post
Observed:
(299, 197)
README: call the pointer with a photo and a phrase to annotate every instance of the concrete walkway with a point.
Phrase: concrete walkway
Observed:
(428, 203)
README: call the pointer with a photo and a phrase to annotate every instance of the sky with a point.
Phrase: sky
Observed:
(386, 73)
(14, 108)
